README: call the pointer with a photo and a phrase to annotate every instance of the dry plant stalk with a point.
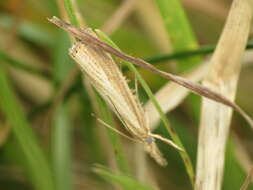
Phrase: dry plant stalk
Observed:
(104, 75)
(222, 77)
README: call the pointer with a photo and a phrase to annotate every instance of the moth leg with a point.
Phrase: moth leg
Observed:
(166, 141)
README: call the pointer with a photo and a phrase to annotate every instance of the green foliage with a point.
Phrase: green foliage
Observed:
(71, 13)
(41, 176)
(61, 148)
(179, 30)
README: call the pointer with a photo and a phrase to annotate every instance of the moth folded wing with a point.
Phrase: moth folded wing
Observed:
(155, 153)
(127, 119)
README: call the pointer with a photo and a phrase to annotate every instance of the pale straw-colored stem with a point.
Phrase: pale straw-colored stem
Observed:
(222, 77)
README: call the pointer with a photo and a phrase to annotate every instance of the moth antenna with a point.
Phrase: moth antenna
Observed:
(113, 129)
(167, 141)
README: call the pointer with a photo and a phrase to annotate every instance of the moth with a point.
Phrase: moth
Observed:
(105, 76)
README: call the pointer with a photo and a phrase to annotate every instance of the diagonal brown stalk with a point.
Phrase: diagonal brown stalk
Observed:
(222, 77)
(194, 87)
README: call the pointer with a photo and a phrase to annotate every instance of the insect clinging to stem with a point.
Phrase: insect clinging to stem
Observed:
(105, 76)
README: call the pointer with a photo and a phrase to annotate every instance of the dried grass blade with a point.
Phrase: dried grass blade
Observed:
(223, 75)
(194, 87)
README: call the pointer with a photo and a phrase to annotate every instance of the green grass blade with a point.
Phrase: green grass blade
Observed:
(62, 63)
(172, 132)
(179, 30)
(123, 181)
(234, 175)
(182, 38)
(61, 129)
(204, 50)
(38, 166)
(70, 12)
(61, 150)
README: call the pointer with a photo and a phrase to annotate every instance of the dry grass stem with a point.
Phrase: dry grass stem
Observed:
(105, 76)
(222, 77)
